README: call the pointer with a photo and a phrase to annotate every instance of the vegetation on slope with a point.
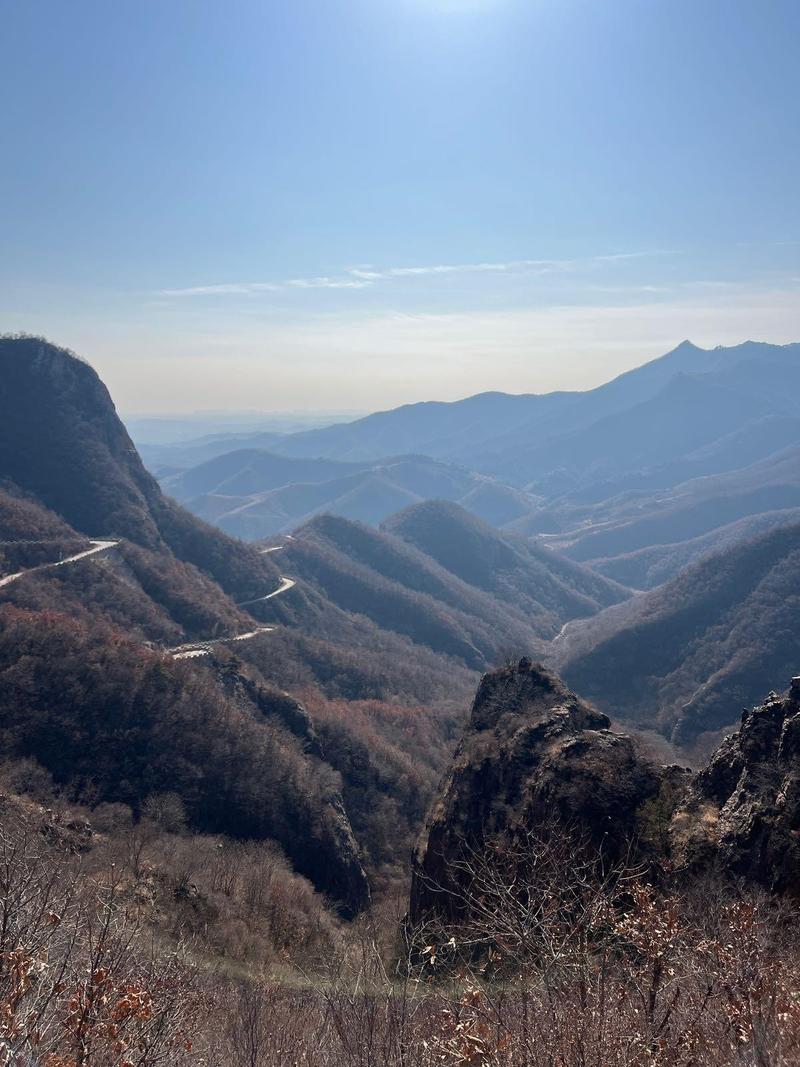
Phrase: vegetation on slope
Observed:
(689, 655)
(548, 588)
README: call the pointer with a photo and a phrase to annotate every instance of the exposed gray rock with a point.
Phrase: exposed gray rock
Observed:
(741, 814)
(532, 751)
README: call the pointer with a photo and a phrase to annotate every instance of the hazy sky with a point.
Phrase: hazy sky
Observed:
(349, 204)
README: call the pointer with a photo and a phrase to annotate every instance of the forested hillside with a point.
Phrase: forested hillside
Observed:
(90, 687)
(688, 656)
(548, 588)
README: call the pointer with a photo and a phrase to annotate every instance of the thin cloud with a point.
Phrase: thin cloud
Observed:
(227, 289)
(534, 266)
(328, 283)
(366, 277)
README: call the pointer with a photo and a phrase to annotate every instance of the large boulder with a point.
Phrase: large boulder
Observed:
(532, 752)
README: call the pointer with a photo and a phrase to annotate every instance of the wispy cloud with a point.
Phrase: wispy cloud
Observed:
(366, 277)
(514, 266)
(226, 289)
(328, 283)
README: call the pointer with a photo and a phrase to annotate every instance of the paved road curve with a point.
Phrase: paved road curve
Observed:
(285, 586)
(97, 546)
(188, 651)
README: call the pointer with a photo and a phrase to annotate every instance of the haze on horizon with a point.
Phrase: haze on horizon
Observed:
(352, 204)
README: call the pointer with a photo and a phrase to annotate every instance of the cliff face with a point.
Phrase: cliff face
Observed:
(62, 442)
(742, 812)
(60, 438)
(534, 753)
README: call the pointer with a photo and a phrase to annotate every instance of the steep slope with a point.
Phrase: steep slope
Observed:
(545, 586)
(687, 656)
(31, 535)
(373, 574)
(86, 469)
(115, 722)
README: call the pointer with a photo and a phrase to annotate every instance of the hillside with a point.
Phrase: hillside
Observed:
(688, 510)
(117, 723)
(86, 469)
(647, 568)
(687, 656)
(546, 587)
(253, 494)
(197, 638)
(247, 471)
(374, 574)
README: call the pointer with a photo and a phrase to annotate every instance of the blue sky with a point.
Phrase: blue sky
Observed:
(358, 203)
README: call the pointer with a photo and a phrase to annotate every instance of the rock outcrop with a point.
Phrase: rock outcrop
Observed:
(534, 751)
(741, 814)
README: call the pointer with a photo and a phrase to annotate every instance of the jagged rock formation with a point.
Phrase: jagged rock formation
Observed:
(533, 752)
(742, 812)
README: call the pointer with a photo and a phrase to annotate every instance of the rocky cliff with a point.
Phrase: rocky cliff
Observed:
(742, 812)
(534, 753)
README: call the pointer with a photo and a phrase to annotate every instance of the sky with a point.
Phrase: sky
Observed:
(352, 204)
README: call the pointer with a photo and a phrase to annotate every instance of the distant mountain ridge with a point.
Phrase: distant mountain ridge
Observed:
(545, 586)
(491, 431)
(254, 494)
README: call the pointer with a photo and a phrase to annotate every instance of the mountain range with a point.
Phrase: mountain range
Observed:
(645, 543)
(153, 640)
(677, 464)
(254, 494)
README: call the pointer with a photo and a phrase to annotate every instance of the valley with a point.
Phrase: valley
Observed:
(300, 697)
(399, 621)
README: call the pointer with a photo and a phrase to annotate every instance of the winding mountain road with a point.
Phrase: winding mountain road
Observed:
(97, 547)
(192, 650)
(204, 648)
(284, 587)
